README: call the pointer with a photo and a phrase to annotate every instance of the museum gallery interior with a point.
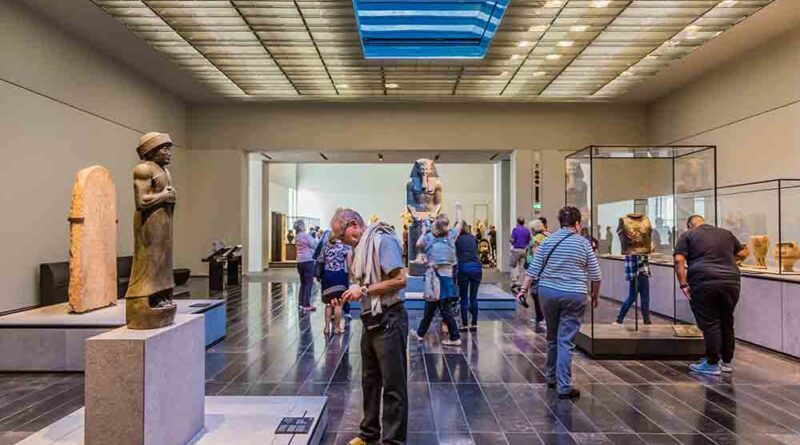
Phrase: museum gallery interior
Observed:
(351, 222)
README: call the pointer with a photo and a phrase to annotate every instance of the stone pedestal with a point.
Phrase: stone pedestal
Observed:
(146, 387)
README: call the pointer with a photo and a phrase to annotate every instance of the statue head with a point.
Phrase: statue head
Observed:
(156, 147)
(424, 168)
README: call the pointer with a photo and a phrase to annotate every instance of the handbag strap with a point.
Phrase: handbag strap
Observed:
(549, 254)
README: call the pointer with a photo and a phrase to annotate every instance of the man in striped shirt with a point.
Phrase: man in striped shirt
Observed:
(565, 270)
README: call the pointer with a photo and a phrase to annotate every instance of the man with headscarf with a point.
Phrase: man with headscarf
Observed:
(379, 276)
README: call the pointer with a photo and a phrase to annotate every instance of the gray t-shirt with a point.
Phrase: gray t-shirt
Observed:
(391, 259)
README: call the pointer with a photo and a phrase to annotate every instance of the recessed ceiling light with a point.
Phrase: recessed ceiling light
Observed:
(553, 56)
(566, 43)
(524, 44)
(343, 86)
(505, 74)
(693, 28)
(540, 74)
(628, 73)
(578, 28)
(392, 85)
(380, 157)
(672, 42)
(516, 56)
(728, 3)
(554, 4)
(538, 28)
(600, 3)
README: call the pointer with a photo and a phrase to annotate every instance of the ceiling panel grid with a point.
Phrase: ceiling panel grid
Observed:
(542, 50)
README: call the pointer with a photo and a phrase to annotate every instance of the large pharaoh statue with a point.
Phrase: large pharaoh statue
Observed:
(423, 200)
(149, 302)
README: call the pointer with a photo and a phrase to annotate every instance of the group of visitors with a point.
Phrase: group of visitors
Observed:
(562, 275)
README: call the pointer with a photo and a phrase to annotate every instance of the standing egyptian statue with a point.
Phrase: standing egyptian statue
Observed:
(423, 201)
(635, 234)
(148, 302)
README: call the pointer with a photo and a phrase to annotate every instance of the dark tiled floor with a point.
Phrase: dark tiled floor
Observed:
(489, 391)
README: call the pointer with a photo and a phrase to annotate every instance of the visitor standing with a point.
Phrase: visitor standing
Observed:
(305, 264)
(439, 244)
(493, 242)
(520, 238)
(378, 277)
(566, 269)
(335, 280)
(470, 275)
(705, 265)
(538, 236)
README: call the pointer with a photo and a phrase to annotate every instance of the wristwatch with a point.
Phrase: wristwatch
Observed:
(684, 286)
(365, 291)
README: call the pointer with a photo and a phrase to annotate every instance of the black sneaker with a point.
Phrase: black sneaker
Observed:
(463, 329)
(572, 394)
(474, 328)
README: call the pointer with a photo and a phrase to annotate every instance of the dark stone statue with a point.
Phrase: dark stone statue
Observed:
(424, 201)
(148, 302)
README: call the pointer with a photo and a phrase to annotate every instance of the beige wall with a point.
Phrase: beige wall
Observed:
(214, 203)
(65, 107)
(749, 108)
(370, 126)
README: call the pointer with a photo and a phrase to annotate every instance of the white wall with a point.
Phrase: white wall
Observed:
(380, 189)
(749, 108)
(65, 107)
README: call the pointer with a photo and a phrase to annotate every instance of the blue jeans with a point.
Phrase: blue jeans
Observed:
(562, 313)
(469, 280)
(641, 285)
(306, 271)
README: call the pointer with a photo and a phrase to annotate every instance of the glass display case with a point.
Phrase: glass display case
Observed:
(665, 184)
(764, 216)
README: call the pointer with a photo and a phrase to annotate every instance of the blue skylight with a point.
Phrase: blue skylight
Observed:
(427, 29)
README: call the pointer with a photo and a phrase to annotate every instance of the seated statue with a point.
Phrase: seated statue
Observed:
(423, 201)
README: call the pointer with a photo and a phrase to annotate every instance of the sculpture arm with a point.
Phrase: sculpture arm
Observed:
(145, 199)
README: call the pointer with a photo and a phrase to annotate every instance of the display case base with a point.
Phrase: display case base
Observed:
(657, 341)
(229, 420)
(49, 338)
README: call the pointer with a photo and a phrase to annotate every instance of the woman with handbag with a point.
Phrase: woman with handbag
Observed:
(439, 245)
(566, 270)
(333, 271)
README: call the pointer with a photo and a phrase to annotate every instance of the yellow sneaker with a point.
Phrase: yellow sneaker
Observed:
(357, 441)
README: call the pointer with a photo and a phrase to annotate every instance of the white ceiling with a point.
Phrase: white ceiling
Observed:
(544, 50)
(389, 157)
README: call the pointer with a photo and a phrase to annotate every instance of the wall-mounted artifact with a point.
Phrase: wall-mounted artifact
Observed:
(760, 247)
(93, 241)
(148, 303)
(424, 201)
(635, 234)
(787, 254)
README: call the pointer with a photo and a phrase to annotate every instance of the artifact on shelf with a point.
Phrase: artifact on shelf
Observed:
(148, 302)
(93, 241)
(787, 254)
(760, 244)
(635, 234)
(423, 201)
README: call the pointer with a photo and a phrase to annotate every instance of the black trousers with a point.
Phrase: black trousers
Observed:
(384, 371)
(713, 305)
(443, 306)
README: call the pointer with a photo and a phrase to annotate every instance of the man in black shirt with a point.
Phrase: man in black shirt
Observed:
(711, 283)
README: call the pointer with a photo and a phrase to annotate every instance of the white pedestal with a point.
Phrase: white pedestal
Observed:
(146, 387)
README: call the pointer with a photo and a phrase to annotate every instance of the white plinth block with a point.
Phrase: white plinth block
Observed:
(146, 387)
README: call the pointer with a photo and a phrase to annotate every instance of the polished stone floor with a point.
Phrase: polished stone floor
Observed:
(488, 391)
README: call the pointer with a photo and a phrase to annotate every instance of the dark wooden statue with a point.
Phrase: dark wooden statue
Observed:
(148, 302)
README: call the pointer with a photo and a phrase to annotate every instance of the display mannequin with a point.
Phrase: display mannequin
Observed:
(635, 234)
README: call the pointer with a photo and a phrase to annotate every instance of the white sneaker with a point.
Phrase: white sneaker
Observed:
(448, 342)
(726, 367)
(414, 336)
(616, 323)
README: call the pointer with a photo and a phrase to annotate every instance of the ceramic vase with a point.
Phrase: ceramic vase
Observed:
(787, 254)
(760, 246)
